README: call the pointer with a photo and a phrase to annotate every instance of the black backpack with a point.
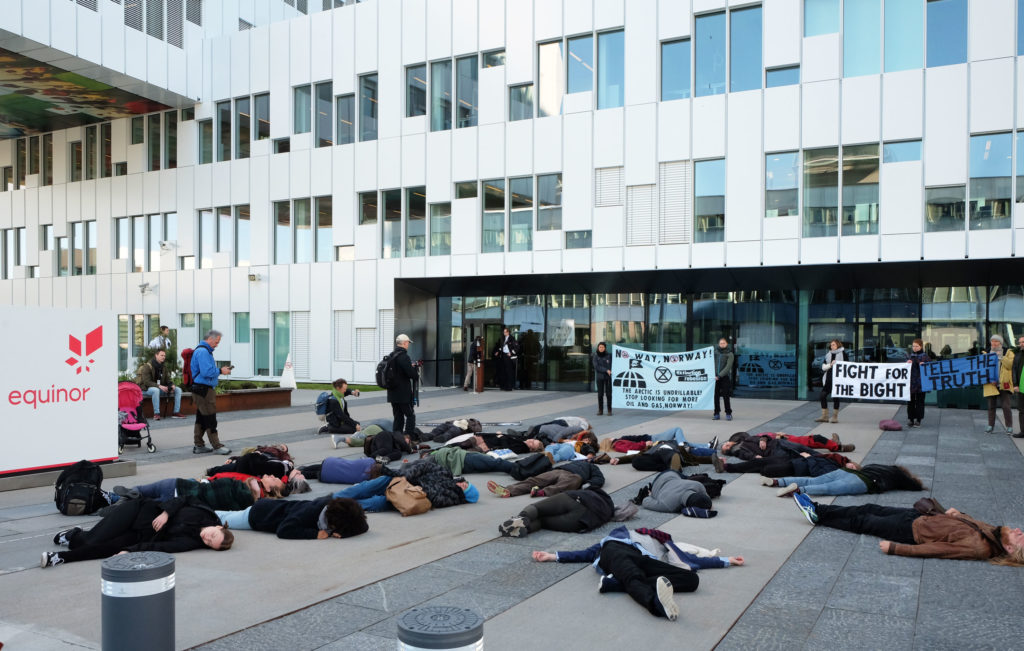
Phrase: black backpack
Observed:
(77, 490)
(385, 375)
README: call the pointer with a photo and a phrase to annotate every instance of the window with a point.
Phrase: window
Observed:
(493, 218)
(1020, 165)
(171, 226)
(302, 108)
(945, 208)
(862, 38)
(520, 102)
(821, 191)
(441, 95)
(709, 200)
(580, 75)
(33, 150)
(821, 17)
(282, 340)
(416, 90)
(494, 59)
(611, 76)
(282, 145)
(577, 239)
(282, 232)
(205, 141)
(346, 119)
(901, 152)
(139, 243)
(46, 238)
(465, 190)
(367, 208)
(8, 179)
(416, 220)
(549, 202)
(520, 221)
(48, 155)
(947, 32)
(205, 321)
(860, 189)
(344, 253)
(90, 228)
(76, 161)
(989, 201)
(745, 49)
(19, 164)
(122, 235)
(675, 70)
(324, 119)
(62, 256)
(391, 220)
(155, 233)
(324, 224)
(1020, 26)
(188, 320)
(225, 229)
(710, 54)
(303, 220)
(153, 142)
(121, 169)
(241, 327)
(550, 79)
(441, 229)
(170, 140)
(262, 106)
(223, 131)
(186, 262)
(243, 127)
(243, 236)
(466, 89)
(788, 76)
(781, 183)
(188, 114)
(368, 107)
(207, 238)
(138, 129)
(904, 35)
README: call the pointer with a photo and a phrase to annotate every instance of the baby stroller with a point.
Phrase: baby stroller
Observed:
(130, 421)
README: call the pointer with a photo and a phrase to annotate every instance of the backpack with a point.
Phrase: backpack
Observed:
(186, 369)
(712, 485)
(385, 374)
(77, 489)
(321, 403)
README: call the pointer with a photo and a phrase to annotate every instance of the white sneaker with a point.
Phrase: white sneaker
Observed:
(786, 491)
(767, 481)
(334, 441)
(668, 603)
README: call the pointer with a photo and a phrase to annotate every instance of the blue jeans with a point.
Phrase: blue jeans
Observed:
(238, 520)
(369, 494)
(676, 434)
(837, 482)
(159, 490)
(154, 393)
(561, 451)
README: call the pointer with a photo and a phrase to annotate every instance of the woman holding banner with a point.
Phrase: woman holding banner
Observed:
(836, 354)
(915, 408)
(1000, 391)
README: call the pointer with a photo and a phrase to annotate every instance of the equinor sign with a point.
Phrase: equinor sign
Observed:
(82, 358)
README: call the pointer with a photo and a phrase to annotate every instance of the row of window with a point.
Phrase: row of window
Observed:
(243, 134)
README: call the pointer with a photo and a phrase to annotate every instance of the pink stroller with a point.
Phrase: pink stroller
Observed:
(130, 421)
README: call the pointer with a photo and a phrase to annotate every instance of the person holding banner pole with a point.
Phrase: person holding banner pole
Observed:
(724, 358)
(915, 408)
(836, 354)
(1018, 369)
(1002, 390)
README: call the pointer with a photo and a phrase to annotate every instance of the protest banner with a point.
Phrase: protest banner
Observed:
(959, 372)
(670, 381)
(766, 368)
(871, 381)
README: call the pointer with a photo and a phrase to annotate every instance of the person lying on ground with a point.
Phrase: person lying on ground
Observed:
(831, 443)
(338, 419)
(568, 476)
(747, 448)
(641, 442)
(371, 494)
(486, 442)
(556, 429)
(221, 493)
(908, 532)
(172, 526)
(804, 465)
(665, 455)
(671, 492)
(357, 440)
(269, 485)
(325, 517)
(258, 464)
(574, 511)
(341, 470)
(388, 446)
(872, 478)
(636, 562)
(276, 451)
(463, 462)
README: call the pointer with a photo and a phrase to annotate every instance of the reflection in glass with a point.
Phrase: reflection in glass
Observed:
(862, 35)
(302, 108)
(901, 152)
(788, 76)
(207, 238)
(391, 216)
(324, 119)
(90, 153)
(205, 141)
(416, 90)
(990, 196)
(153, 135)
(465, 190)
(764, 324)
(77, 249)
(520, 102)
(821, 191)
(155, 235)
(667, 322)
(282, 232)
(581, 64)
(904, 35)
(567, 335)
(324, 226)
(947, 32)
(139, 242)
(282, 340)
(709, 200)
(441, 95)
(710, 55)
(242, 127)
(675, 70)
(551, 79)
(821, 17)
(346, 106)
(466, 88)
(549, 202)
(781, 184)
(440, 229)
(578, 239)
(262, 116)
(493, 218)
(860, 189)
(520, 226)
(303, 230)
(945, 208)
(367, 108)
(367, 208)
(243, 236)
(170, 141)
(745, 49)
(416, 222)
(611, 76)
(494, 59)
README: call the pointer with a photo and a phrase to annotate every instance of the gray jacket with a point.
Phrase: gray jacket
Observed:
(723, 362)
(670, 492)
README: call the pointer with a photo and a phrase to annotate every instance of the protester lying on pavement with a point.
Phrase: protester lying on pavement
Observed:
(872, 478)
(568, 476)
(325, 517)
(575, 511)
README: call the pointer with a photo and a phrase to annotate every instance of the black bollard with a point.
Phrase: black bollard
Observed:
(440, 627)
(138, 602)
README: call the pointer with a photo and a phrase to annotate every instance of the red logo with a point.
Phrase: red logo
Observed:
(80, 358)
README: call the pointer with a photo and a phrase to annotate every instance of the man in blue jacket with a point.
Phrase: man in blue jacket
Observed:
(205, 376)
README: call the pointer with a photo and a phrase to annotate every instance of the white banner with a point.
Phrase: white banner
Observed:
(58, 397)
(871, 381)
(670, 381)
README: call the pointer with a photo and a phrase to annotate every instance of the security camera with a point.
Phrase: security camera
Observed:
(166, 245)
(143, 288)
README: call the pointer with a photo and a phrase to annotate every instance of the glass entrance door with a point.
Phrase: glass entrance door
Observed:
(491, 333)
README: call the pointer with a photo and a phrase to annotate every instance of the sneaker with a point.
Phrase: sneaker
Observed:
(382, 460)
(537, 492)
(63, 537)
(768, 481)
(806, 507)
(988, 430)
(156, 417)
(130, 493)
(835, 438)
(50, 559)
(676, 463)
(608, 583)
(176, 415)
(1009, 430)
(334, 441)
(514, 527)
(713, 443)
(717, 462)
(786, 491)
(223, 450)
(319, 429)
(716, 417)
(847, 447)
(201, 449)
(728, 417)
(499, 490)
(665, 600)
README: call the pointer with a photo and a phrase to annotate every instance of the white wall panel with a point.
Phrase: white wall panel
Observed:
(820, 114)
(492, 151)
(548, 241)
(519, 147)
(439, 29)
(860, 248)
(709, 123)
(861, 117)
(414, 159)
(641, 50)
(299, 286)
(63, 34)
(547, 19)
(576, 260)
(464, 158)
(701, 6)
(821, 58)
(781, 228)
(989, 244)
(492, 25)
(641, 150)
(321, 42)
(673, 19)
(366, 165)
(991, 24)
(464, 265)
(608, 137)
(945, 246)
(464, 27)
(544, 262)
(670, 256)
(819, 250)
(578, 181)
(579, 16)
(33, 24)
(782, 118)
(607, 259)
(709, 255)
(781, 252)
(343, 52)
(781, 32)
(945, 126)
(902, 105)
(134, 46)
(438, 165)
(901, 248)
(366, 37)
(389, 171)
(492, 95)
(609, 14)
(342, 285)
(743, 171)
(280, 82)
(547, 145)
(88, 25)
(991, 95)
(520, 48)
(674, 130)
(391, 80)
(414, 22)
(742, 254)
(900, 198)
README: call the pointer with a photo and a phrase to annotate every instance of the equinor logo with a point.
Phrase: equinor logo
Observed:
(82, 359)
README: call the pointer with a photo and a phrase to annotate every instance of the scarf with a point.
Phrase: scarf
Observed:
(340, 397)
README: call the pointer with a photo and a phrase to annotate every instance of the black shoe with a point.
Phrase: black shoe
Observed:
(713, 443)
(644, 491)
(129, 493)
(1018, 435)
(63, 537)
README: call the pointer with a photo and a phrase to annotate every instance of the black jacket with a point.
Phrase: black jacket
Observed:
(337, 414)
(437, 482)
(1018, 366)
(290, 519)
(590, 473)
(401, 389)
(385, 443)
(513, 347)
(598, 503)
(187, 516)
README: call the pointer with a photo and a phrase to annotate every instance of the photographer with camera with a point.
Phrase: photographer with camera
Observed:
(402, 389)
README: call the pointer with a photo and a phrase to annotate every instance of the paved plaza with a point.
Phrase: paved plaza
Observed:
(802, 587)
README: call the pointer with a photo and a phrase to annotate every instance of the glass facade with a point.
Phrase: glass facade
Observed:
(821, 17)
(788, 76)
(821, 191)
(990, 199)
(580, 75)
(675, 70)
(415, 91)
(947, 32)
(367, 108)
(781, 182)
(520, 102)
(904, 35)
(520, 218)
(441, 95)
(860, 190)
(611, 69)
(709, 200)
(391, 216)
(467, 91)
(493, 218)
(416, 222)
(862, 38)
(550, 79)
(745, 49)
(710, 55)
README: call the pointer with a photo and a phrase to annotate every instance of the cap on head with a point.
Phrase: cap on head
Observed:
(472, 494)
(401, 339)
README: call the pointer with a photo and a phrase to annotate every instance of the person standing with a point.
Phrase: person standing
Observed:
(401, 388)
(603, 374)
(1018, 368)
(835, 354)
(475, 356)
(205, 376)
(506, 352)
(915, 408)
(1000, 391)
(724, 358)
(162, 341)
(155, 380)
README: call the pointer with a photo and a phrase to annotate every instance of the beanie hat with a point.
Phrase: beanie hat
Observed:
(472, 494)
(697, 512)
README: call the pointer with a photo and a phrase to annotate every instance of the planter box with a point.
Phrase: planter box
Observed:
(234, 400)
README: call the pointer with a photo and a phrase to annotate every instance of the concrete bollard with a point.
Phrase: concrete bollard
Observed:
(440, 627)
(138, 602)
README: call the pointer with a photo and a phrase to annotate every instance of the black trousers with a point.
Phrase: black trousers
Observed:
(506, 372)
(558, 513)
(915, 408)
(826, 390)
(637, 574)
(604, 391)
(770, 467)
(723, 390)
(113, 533)
(254, 464)
(405, 418)
(656, 460)
(342, 428)
(886, 522)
